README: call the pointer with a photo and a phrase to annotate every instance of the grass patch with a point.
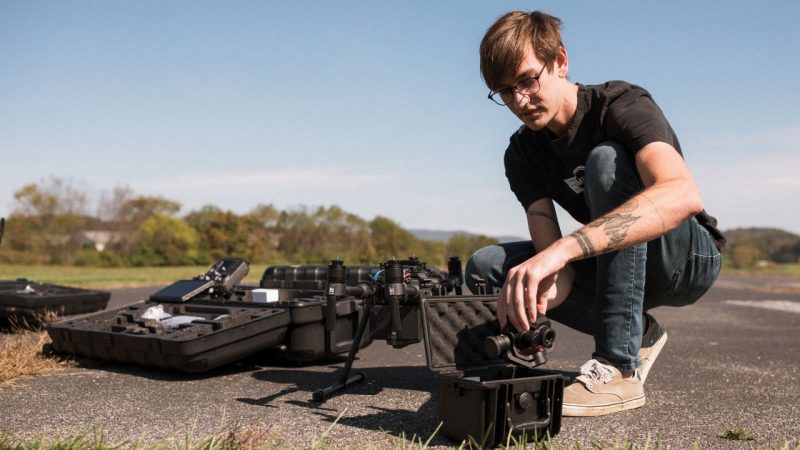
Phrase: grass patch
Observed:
(112, 277)
(260, 438)
(264, 439)
(738, 434)
(234, 439)
(231, 440)
(21, 354)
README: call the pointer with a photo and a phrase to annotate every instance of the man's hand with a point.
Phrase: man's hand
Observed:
(528, 288)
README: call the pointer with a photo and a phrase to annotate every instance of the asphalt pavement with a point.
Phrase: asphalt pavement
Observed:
(731, 364)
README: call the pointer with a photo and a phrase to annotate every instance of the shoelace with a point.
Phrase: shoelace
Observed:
(594, 371)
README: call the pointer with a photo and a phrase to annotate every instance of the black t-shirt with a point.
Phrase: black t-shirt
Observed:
(541, 166)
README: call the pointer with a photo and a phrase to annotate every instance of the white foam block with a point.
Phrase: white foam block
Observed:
(265, 295)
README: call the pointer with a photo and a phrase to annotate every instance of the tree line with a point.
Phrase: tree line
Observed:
(51, 224)
(747, 247)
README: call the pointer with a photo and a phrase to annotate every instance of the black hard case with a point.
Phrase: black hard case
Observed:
(26, 298)
(480, 399)
(293, 327)
(227, 333)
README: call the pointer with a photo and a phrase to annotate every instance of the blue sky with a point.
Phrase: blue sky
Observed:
(376, 106)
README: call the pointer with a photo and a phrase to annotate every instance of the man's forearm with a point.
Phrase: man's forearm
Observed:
(613, 230)
(645, 216)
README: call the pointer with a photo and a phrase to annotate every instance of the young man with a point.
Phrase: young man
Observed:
(608, 156)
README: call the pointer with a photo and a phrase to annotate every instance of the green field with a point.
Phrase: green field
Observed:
(111, 277)
(115, 277)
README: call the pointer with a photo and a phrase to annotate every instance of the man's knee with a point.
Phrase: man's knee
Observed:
(490, 263)
(610, 178)
(601, 165)
(482, 263)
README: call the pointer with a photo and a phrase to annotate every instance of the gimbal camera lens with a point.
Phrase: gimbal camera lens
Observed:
(531, 342)
(495, 346)
(544, 336)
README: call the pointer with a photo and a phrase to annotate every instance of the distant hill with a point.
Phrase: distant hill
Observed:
(444, 235)
(769, 244)
(768, 234)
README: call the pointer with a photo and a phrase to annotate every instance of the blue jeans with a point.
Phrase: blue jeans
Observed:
(611, 291)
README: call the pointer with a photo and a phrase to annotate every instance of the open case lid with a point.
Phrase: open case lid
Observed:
(455, 328)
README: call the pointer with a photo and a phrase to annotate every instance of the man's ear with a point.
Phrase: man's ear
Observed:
(562, 63)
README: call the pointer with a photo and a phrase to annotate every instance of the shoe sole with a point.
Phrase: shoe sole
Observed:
(647, 364)
(600, 410)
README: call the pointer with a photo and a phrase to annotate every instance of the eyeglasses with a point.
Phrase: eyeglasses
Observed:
(526, 87)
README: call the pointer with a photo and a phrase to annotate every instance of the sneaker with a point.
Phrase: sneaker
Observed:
(600, 389)
(653, 341)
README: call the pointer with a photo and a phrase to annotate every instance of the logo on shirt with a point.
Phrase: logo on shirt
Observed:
(576, 182)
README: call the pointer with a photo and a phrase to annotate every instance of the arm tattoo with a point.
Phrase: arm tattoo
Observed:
(615, 226)
(586, 245)
(545, 215)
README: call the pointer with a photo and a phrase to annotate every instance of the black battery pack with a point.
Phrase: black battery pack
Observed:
(485, 400)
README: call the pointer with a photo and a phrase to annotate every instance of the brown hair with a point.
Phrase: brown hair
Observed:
(505, 42)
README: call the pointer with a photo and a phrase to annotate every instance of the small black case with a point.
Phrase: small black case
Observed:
(484, 400)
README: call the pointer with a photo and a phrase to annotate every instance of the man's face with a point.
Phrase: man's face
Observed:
(536, 110)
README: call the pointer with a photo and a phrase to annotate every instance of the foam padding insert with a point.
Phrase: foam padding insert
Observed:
(455, 330)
